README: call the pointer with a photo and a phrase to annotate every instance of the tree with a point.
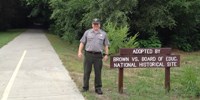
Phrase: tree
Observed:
(186, 13)
(73, 17)
(159, 22)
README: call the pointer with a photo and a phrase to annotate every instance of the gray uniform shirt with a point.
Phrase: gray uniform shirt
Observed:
(95, 41)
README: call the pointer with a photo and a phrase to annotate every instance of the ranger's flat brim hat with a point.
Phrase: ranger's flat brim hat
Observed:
(95, 21)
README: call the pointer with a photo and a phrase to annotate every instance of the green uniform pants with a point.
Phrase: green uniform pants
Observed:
(96, 61)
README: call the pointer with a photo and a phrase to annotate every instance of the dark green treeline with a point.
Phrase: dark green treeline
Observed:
(160, 23)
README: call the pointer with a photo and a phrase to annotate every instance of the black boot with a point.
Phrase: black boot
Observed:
(98, 91)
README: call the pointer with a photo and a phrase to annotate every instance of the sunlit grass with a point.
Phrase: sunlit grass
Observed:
(9, 35)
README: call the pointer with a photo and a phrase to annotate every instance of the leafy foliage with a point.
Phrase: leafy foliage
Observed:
(66, 16)
(108, 10)
(152, 42)
(173, 23)
(149, 15)
(73, 17)
(187, 31)
(118, 37)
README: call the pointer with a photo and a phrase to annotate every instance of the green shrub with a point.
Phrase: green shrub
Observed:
(187, 41)
(182, 42)
(195, 41)
(67, 15)
(118, 37)
(152, 42)
(70, 37)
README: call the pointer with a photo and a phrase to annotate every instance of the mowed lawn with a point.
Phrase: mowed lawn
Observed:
(139, 83)
(9, 35)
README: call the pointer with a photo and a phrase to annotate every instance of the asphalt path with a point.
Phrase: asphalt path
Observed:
(30, 69)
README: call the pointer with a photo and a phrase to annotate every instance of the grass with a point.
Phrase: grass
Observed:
(140, 83)
(9, 35)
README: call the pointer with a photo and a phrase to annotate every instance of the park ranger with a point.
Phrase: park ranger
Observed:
(95, 42)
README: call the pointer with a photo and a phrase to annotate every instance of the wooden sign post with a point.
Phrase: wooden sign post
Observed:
(144, 58)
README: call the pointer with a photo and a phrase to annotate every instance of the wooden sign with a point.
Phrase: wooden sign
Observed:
(144, 58)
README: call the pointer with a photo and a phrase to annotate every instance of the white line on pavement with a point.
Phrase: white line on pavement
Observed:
(10, 83)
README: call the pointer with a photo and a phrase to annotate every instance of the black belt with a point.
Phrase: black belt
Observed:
(93, 52)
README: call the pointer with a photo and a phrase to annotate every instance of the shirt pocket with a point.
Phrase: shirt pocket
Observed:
(100, 40)
(89, 38)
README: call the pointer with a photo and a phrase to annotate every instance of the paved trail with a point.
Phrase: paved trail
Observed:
(31, 70)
